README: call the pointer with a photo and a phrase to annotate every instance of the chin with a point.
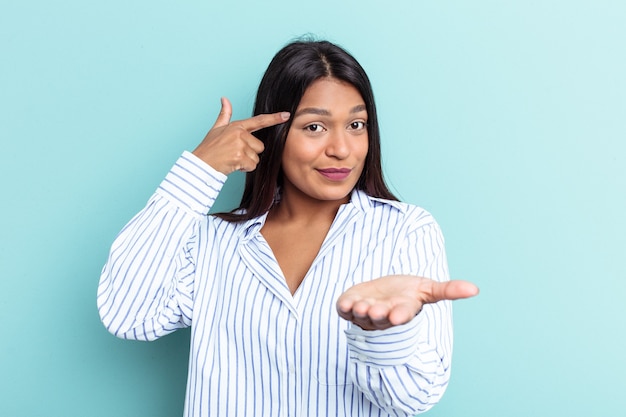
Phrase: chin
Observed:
(333, 196)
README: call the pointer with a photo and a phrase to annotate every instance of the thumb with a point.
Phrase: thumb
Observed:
(225, 113)
(449, 290)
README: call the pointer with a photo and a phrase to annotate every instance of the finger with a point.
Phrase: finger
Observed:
(250, 163)
(344, 309)
(253, 157)
(403, 313)
(379, 315)
(364, 323)
(262, 121)
(226, 113)
(381, 324)
(347, 315)
(361, 308)
(345, 303)
(450, 290)
(255, 144)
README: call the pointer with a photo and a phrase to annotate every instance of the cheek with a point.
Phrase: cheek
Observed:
(362, 149)
(302, 151)
(294, 160)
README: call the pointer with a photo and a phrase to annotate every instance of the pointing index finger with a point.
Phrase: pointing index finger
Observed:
(262, 121)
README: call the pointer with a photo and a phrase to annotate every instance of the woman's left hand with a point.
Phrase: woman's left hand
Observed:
(395, 299)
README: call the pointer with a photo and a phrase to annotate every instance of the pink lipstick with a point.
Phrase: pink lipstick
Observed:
(335, 174)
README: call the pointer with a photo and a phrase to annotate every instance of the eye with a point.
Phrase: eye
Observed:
(315, 128)
(358, 125)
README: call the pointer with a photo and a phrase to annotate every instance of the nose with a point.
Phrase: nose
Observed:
(338, 145)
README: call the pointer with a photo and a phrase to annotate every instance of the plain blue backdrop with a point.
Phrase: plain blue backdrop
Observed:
(507, 120)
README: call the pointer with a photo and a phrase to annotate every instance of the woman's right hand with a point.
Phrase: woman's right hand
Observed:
(230, 147)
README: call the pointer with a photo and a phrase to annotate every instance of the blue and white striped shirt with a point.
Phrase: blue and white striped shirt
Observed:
(256, 349)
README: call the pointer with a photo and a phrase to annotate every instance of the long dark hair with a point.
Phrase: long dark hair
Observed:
(292, 70)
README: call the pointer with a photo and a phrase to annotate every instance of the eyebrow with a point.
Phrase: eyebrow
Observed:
(324, 112)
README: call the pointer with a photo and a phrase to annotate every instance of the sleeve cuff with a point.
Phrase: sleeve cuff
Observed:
(192, 183)
(389, 347)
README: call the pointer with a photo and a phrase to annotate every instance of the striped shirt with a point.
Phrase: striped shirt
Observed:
(256, 349)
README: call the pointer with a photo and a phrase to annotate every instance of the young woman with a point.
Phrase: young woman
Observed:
(310, 298)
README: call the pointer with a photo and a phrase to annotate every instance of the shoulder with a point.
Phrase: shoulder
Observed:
(411, 216)
(234, 229)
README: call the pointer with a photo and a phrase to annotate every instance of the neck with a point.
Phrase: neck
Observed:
(296, 206)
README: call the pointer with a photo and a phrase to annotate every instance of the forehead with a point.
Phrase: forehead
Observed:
(331, 94)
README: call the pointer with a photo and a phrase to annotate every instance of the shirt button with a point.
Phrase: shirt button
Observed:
(361, 357)
(360, 339)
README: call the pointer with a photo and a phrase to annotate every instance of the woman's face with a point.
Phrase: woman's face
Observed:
(327, 143)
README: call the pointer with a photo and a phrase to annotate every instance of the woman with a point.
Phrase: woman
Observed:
(309, 298)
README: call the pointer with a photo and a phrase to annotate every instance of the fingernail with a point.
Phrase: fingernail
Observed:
(285, 115)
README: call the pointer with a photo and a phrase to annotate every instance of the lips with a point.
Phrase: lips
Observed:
(335, 174)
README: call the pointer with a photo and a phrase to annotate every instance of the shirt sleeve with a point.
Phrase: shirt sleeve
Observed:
(405, 369)
(146, 286)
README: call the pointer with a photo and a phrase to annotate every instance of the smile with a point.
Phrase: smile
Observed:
(335, 174)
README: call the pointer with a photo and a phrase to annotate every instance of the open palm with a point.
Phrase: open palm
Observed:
(395, 299)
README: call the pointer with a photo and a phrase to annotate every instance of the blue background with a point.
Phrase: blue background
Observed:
(507, 120)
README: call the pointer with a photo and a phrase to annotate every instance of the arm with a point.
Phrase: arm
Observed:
(400, 341)
(146, 287)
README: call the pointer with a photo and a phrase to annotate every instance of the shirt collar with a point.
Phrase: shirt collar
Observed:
(249, 228)
(362, 201)
(359, 200)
